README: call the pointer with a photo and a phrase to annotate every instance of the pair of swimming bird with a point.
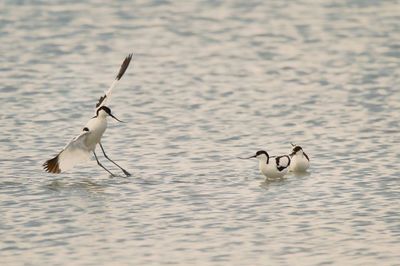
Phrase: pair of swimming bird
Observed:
(277, 166)
(79, 149)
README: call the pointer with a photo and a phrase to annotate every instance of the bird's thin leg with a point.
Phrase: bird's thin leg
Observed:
(98, 162)
(105, 155)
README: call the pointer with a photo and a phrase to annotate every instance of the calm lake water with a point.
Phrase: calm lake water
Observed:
(210, 81)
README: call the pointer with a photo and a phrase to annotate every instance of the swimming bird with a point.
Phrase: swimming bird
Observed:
(300, 161)
(272, 166)
(79, 149)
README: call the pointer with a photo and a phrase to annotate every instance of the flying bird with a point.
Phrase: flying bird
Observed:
(79, 149)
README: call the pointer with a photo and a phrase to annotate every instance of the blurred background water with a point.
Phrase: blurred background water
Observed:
(210, 81)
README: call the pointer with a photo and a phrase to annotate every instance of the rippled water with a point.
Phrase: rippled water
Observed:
(210, 81)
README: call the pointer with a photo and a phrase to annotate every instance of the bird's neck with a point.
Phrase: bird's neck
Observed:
(264, 160)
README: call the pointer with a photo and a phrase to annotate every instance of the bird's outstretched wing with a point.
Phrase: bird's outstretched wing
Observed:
(106, 97)
(73, 153)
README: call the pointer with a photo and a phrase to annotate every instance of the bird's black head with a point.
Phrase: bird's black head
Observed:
(105, 108)
(108, 111)
(295, 150)
(261, 156)
(260, 153)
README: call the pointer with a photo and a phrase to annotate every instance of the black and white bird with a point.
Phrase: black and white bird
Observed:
(300, 161)
(79, 149)
(272, 166)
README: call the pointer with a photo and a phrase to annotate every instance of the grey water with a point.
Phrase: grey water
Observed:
(210, 81)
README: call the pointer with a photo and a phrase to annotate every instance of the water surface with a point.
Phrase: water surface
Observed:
(210, 81)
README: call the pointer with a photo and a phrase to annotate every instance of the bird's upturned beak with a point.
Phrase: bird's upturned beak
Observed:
(292, 144)
(116, 118)
(247, 157)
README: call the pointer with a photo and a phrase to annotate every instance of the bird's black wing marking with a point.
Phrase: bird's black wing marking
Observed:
(51, 166)
(124, 66)
(282, 167)
(101, 99)
(279, 167)
(121, 72)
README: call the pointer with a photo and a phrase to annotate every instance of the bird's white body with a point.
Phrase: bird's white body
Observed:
(273, 167)
(97, 126)
(300, 161)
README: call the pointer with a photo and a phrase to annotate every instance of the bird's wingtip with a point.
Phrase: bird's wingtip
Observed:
(101, 99)
(124, 66)
(52, 166)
